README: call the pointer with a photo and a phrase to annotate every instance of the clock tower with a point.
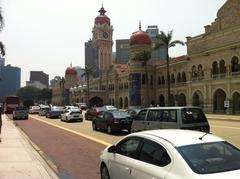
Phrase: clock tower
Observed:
(102, 40)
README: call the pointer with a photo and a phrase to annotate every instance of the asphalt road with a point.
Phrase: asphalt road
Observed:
(75, 148)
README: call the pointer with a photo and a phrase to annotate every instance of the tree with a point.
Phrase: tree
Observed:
(88, 71)
(28, 93)
(2, 48)
(165, 40)
(144, 56)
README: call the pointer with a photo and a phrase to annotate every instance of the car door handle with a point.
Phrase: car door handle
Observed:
(128, 170)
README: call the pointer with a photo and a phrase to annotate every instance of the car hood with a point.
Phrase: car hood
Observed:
(235, 174)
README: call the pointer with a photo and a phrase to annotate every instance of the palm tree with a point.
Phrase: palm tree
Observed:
(2, 48)
(144, 56)
(88, 71)
(165, 40)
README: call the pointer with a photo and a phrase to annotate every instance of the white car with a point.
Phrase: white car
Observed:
(170, 154)
(73, 114)
(110, 108)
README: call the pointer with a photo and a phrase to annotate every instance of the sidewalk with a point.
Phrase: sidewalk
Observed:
(18, 159)
(223, 117)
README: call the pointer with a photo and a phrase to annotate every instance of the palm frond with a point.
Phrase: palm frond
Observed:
(175, 42)
(2, 49)
(1, 19)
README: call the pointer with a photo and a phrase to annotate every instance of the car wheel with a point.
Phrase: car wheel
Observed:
(94, 126)
(109, 129)
(104, 172)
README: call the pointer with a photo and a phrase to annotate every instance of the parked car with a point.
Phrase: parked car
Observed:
(72, 114)
(110, 108)
(93, 112)
(55, 111)
(20, 112)
(34, 109)
(170, 118)
(112, 121)
(82, 106)
(133, 112)
(43, 110)
(171, 154)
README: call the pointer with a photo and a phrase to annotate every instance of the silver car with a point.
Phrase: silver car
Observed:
(20, 113)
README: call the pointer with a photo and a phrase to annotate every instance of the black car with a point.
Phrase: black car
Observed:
(112, 121)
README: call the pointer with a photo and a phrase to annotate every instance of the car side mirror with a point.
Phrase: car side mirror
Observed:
(112, 149)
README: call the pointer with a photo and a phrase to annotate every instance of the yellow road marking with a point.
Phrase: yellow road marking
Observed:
(74, 132)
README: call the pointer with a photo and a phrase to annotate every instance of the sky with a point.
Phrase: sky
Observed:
(47, 35)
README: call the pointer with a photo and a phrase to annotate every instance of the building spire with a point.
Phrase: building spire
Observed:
(71, 64)
(102, 10)
(140, 27)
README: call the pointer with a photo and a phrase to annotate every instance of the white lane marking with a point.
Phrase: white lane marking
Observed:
(226, 127)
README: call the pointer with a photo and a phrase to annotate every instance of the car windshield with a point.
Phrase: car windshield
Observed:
(193, 115)
(211, 157)
(120, 114)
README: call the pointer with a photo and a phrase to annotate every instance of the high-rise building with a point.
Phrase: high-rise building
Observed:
(122, 51)
(91, 57)
(152, 30)
(39, 76)
(10, 80)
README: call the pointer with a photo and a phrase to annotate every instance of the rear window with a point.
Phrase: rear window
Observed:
(120, 114)
(193, 115)
(212, 157)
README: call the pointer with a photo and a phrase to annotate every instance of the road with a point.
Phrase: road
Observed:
(74, 148)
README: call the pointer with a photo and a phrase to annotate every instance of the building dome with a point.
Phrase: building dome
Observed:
(102, 18)
(71, 71)
(140, 38)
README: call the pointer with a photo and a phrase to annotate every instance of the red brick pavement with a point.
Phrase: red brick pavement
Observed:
(75, 156)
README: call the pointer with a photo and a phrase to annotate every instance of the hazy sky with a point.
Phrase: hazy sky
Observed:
(47, 35)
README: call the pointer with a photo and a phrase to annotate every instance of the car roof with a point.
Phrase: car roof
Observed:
(173, 107)
(179, 137)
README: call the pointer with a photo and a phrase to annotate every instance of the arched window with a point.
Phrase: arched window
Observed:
(214, 68)
(179, 80)
(163, 80)
(223, 68)
(184, 79)
(120, 102)
(194, 71)
(143, 79)
(126, 102)
(151, 80)
(200, 71)
(159, 80)
(235, 65)
(172, 80)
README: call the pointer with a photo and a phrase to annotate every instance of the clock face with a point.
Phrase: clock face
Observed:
(105, 35)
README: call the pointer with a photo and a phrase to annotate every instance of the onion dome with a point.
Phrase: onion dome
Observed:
(140, 38)
(102, 18)
(71, 70)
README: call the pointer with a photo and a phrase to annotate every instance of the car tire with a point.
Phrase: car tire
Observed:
(104, 172)
(109, 129)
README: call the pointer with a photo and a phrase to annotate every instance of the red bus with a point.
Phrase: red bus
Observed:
(10, 103)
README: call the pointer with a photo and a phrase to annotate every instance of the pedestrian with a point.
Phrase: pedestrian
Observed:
(0, 122)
